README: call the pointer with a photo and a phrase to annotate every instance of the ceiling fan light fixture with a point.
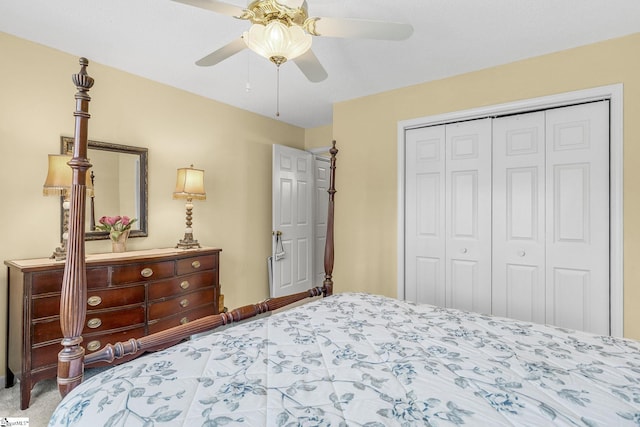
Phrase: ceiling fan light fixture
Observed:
(277, 41)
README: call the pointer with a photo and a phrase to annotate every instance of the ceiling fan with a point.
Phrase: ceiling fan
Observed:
(281, 30)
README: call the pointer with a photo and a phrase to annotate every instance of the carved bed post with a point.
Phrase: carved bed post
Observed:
(74, 283)
(328, 247)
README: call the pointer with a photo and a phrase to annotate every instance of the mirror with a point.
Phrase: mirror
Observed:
(119, 176)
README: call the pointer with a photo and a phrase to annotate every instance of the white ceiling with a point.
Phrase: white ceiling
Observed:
(161, 40)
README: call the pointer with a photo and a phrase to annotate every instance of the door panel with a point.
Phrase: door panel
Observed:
(424, 220)
(468, 215)
(571, 203)
(518, 252)
(571, 296)
(577, 252)
(464, 280)
(522, 292)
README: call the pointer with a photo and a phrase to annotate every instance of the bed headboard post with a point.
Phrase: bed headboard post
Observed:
(74, 282)
(328, 247)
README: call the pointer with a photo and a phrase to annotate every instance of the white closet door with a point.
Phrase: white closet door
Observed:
(577, 264)
(468, 215)
(519, 217)
(424, 219)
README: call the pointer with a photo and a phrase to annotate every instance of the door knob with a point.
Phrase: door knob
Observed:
(464, 250)
(521, 253)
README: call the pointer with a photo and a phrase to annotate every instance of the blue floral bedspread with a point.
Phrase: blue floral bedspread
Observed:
(366, 360)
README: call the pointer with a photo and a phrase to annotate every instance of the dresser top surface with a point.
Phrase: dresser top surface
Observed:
(101, 258)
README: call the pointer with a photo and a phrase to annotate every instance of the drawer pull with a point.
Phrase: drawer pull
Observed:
(184, 303)
(146, 272)
(93, 345)
(184, 321)
(94, 300)
(94, 323)
(185, 284)
(195, 264)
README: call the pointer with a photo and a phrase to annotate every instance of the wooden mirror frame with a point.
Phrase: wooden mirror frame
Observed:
(142, 220)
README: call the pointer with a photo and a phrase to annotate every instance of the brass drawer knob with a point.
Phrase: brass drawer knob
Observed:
(93, 301)
(184, 303)
(184, 320)
(93, 345)
(146, 272)
(94, 323)
(185, 285)
(195, 264)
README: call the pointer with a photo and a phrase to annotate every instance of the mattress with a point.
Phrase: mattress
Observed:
(356, 359)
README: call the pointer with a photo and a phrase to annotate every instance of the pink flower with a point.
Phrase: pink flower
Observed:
(109, 220)
(115, 225)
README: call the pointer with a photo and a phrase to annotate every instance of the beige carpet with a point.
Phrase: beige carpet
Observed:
(44, 399)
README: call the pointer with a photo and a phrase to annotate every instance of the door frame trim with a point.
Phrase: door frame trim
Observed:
(613, 93)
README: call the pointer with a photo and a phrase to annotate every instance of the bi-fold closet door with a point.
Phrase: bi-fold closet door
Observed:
(510, 216)
(448, 215)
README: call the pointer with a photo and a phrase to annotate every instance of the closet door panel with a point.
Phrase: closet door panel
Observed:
(424, 215)
(577, 259)
(468, 214)
(518, 250)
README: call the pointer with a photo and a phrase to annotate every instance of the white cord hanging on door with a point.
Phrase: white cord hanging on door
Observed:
(279, 246)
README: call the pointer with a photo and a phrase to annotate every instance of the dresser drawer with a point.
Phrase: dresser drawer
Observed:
(198, 263)
(97, 299)
(118, 297)
(180, 318)
(180, 304)
(94, 343)
(51, 281)
(139, 272)
(47, 355)
(48, 330)
(181, 285)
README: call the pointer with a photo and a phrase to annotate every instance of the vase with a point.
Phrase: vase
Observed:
(120, 244)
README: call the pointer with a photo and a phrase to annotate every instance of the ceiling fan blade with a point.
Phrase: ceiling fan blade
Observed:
(311, 67)
(216, 6)
(223, 53)
(358, 28)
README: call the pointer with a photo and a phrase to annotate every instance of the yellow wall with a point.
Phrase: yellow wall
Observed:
(319, 137)
(366, 132)
(231, 145)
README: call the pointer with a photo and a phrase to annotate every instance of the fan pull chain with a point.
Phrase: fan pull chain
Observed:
(247, 86)
(278, 91)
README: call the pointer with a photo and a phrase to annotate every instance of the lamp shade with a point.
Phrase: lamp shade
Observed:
(60, 175)
(277, 41)
(190, 184)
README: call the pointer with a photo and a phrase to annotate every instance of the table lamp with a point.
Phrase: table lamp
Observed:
(189, 186)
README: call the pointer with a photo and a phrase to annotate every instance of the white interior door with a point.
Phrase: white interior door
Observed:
(468, 215)
(425, 215)
(518, 252)
(292, 204)
(577, 198)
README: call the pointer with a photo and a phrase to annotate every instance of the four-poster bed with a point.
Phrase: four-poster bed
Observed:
(346, 359)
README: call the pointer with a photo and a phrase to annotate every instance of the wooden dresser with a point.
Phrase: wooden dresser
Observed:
(129, 294)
